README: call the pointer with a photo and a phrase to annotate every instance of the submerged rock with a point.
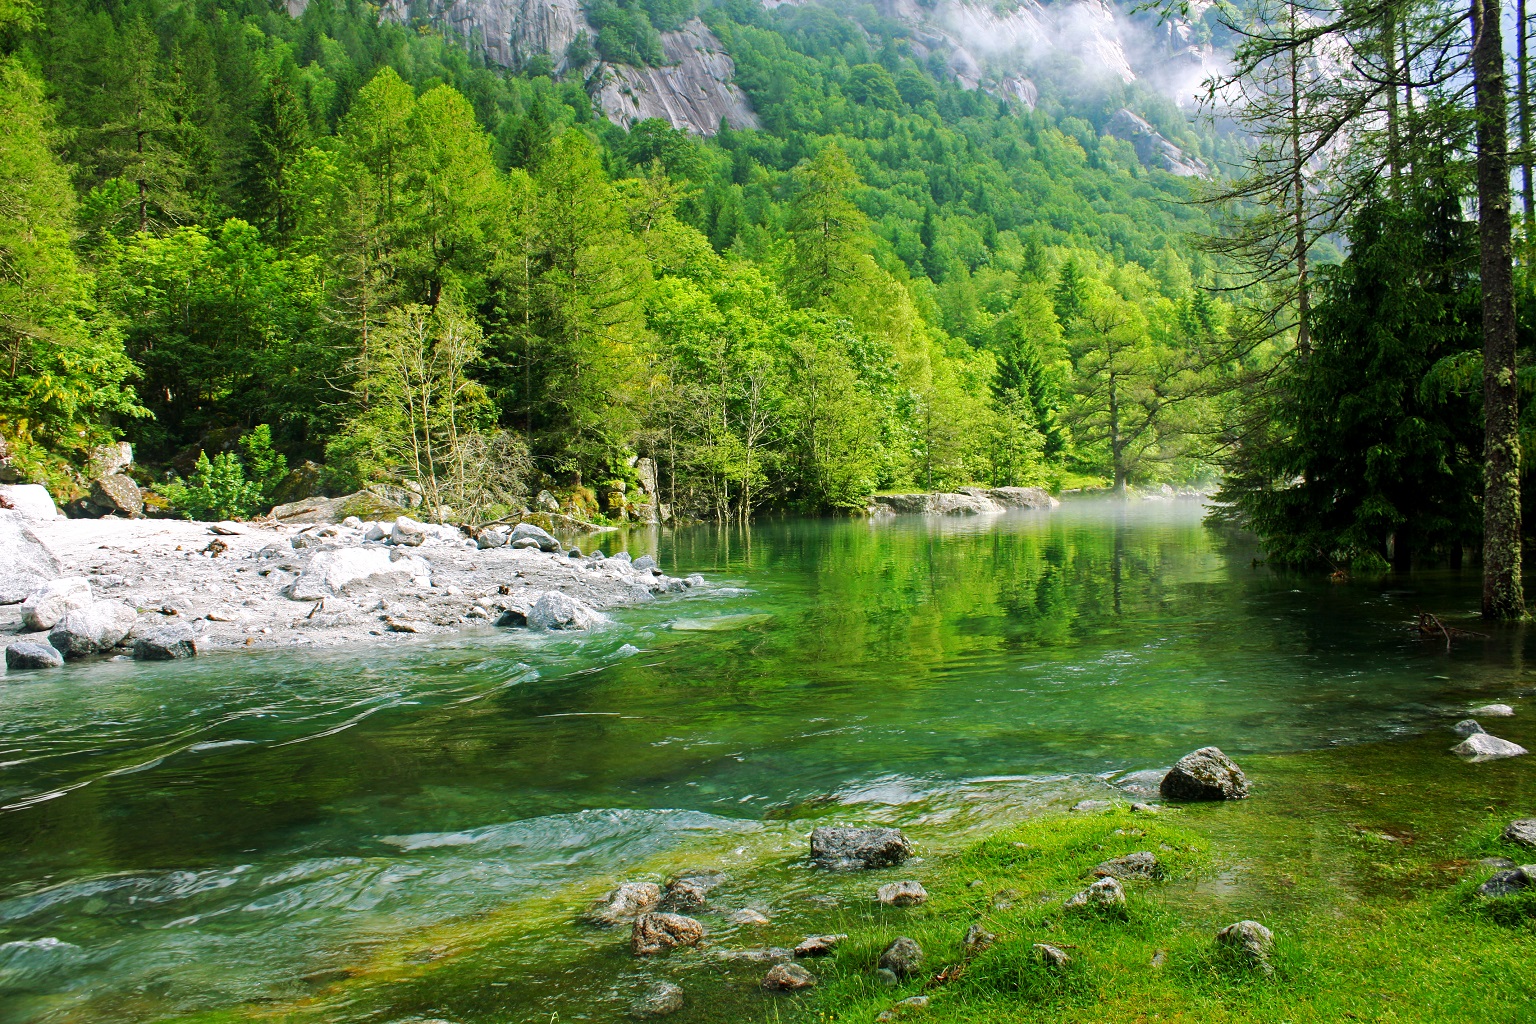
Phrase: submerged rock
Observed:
(166, 643)
(1495, 711)
(93, 629)
(45, 606)
(683, 894)
(1250, 940)
(747, 917)
(818, 945)
(790, 977)
(625, 902)
(903, 957)
(1147, 782)
(1481, 746)
(1522, 831)
(1139, 865)
(902, 894)
(1205, 774)
(858, 848)
(1105, 894)
(1090, 806)
(658, 1000)
(656, 932)
(25, 654)
(1467, 727)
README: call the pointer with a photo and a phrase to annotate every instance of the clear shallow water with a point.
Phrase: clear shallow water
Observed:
(243, 826)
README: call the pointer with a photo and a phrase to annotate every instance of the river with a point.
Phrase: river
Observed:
(241, 829)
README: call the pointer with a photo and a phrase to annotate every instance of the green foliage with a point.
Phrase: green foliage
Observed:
(856, 297)
(1378, 435)
(231, 484)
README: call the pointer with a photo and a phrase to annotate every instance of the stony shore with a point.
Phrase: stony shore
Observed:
(270, 585)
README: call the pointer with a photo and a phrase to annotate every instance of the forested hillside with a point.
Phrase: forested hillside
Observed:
(411, 266)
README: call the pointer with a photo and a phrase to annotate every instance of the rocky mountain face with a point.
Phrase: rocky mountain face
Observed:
(982, 46)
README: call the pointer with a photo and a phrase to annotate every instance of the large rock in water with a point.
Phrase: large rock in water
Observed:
(1481, 747)
(658, 933)
(116, 494)
(1205, 774)
(555, 610)
(26, 564)
(22, 654)
(844, 848)
(661, 999)
(45, 606)
(167, 643)
(93, 629)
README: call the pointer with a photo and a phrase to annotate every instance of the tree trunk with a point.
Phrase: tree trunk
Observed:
(1522, 71)
(1503, 597)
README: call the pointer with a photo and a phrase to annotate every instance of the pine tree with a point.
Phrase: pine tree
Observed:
(280, 133)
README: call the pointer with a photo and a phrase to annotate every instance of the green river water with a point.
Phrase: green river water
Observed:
(245, 830)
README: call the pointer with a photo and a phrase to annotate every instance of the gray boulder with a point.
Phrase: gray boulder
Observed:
(858, 848)
(655, 933)
(1467, 727)
(1495, 711)
(903, 957)
(116, 494)
(109, 459)
(902, 894)
(645, 563)
(1521, 832)
(1140, 865)
(1508, 882)
(407, 532)
(1250, 940)
(26, 564)
(1105, 894)
(554, 610)
(546, 502)
(789, 977)
(491, 539)
(21, 654)
(661, 999)
(165, 643)
(45, 606)
(93, 629)
(1051, 956)
(1205, 774)
(541, 537)
(1480, 747)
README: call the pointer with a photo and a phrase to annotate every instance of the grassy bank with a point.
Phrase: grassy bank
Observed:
(1362, 860)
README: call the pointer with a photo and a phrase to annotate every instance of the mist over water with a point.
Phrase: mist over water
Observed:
(234, 828)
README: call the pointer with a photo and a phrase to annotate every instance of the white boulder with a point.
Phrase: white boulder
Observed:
(25, 561)
(349, 570)
(97, 627)
(32, 500)
(45, 606)
(1481, 747)
(554, 610)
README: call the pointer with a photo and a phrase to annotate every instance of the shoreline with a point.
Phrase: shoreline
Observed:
(272, 586)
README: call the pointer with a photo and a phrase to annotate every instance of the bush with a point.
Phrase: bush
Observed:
(231, 484)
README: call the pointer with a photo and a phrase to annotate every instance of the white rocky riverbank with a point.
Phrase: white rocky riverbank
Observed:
(267, 585)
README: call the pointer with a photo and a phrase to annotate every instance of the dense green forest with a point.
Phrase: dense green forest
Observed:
(408, 265)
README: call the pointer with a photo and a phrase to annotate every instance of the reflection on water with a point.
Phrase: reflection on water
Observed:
(188, 835)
